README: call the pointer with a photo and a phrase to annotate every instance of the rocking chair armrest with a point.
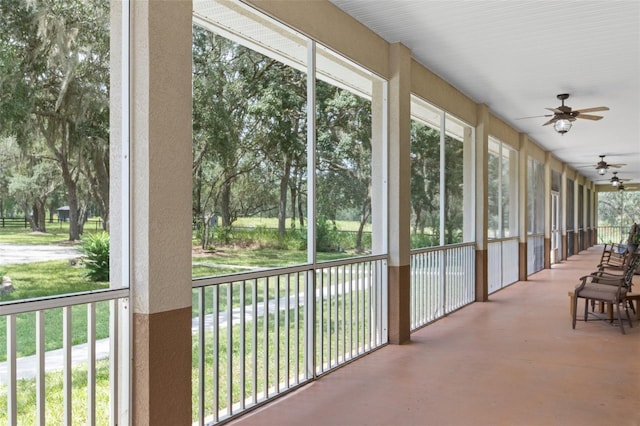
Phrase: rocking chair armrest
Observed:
(614, 281)
(604, 274)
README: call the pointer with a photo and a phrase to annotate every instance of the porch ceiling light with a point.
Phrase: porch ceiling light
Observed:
(601, 170)
(562, 126)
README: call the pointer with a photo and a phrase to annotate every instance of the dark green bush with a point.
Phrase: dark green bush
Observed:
(327, 235)
(95, 247)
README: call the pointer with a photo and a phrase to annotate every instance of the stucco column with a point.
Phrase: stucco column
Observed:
(594, 215)
(576, 211)
(161, 187)
(563, 217)
(547, 210)
(522, 207)
(482, 203)
(399, 194)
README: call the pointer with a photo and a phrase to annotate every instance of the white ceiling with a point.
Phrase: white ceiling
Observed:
(517, 56)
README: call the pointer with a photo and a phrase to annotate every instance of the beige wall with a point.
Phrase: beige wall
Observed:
(328, 25)
(555, 164)
(503, 132)
(433, 89)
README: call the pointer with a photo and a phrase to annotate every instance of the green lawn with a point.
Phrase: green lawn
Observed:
(46, 279)
(272, 222)
(59, 277)
(54, 397)
(57, 233)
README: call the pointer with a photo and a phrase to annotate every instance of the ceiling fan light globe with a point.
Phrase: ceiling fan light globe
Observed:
(562, 126)
(602, 171)
(615, 182)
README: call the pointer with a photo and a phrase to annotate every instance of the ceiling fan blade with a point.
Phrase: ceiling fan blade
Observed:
(594, 109)
(556, 110)
(535, 116)
(616, 165)
(589, 117)
(553, 120)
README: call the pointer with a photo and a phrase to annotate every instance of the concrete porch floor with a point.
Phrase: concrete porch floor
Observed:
(514, 360)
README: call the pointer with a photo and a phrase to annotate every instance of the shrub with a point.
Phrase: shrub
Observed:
(224, 234)
(96, 250)
(327, 236)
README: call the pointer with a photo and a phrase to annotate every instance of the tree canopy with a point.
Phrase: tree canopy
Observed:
(54, 61)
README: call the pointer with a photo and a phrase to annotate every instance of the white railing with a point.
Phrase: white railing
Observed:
(72, 374)
(442, 280)
(613, 234)
(502, 263)
(260, 334)
(535, 253)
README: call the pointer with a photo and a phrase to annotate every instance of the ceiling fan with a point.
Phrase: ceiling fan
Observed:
(563, 116)
(602, 166)
(622, 187)
(616, 181)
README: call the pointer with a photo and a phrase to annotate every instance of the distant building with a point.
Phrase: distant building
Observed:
(63, 213)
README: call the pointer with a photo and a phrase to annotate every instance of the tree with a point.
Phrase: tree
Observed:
(249, 124)
(425, 176)
(453, 200)
(224, 75)
(33, 190)
(344, 154)
(9, 160)
(57, 56)
(280, 111)
(619, 208)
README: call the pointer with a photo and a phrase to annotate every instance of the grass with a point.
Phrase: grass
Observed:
(57, 233)
(285, 368)
(54, 414)
(339, 338)
(230, 259)
(25, 236)
(41, 279)
(272, 222)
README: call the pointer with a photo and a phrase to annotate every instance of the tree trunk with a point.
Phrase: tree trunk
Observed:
(205, 232)
(300, 204)
(197, 206)
(100, 184)
(40, 216)
(294, 201)
(300, 212)
(364, 216)
(418, 212)
(82, 217)
(72, 196)
(225, 202)
(282, 205)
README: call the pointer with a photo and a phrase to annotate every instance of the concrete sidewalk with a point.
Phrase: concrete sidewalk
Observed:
(53, 360)
(27, 253)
